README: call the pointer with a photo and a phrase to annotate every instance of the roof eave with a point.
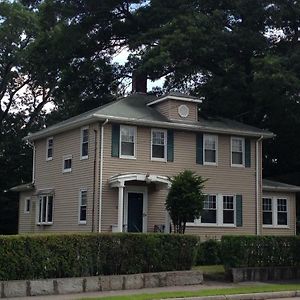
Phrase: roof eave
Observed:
(280, 189)
(170, 97)
(22, 188)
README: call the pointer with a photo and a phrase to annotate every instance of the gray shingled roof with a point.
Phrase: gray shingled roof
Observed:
(134, 110)
(275, 186)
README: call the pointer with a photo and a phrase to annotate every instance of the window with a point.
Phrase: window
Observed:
(210, 149)
(84, 149)
(67, 163)
(218, 210)
(82, 206)
(237, 151)
(158, 144)
(275, 212)
(267, 211)
(49, 151)
(127, 141)
(228, 210)
(45, 216)
(281, 212)
(27, 205)
(209, 212)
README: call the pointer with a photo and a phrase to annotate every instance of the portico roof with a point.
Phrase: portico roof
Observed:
(120, 179)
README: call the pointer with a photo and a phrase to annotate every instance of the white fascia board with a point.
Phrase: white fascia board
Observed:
(174, 98)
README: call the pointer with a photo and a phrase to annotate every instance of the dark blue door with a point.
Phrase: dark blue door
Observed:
(135, 212)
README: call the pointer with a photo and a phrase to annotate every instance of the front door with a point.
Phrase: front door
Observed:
(135, 212)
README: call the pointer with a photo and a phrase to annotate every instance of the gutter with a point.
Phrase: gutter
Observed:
(101, 175)
(258, 177)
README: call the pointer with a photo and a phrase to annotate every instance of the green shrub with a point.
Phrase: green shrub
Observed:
(260, 251)
(209, 253)
(75, 255)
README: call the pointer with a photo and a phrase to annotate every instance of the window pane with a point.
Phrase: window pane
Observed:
(27, 207)
(127, 148)
(210, 156)
(68, 163)
(267, 204)
(84, 149)
(282, 218)
(85, 135)
(237, 158)
(44, 208)
(228, 217)
(209, 216)
(50, 208)
(83, 213)
(210, 142)
(40, 209)
(267, 218)
(237, 145)
(127, 134)
(158, 137)
(50, 152)
(281, 205)
(158, 151)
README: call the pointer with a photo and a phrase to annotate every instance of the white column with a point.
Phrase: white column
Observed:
(167, 217)
(120, 207)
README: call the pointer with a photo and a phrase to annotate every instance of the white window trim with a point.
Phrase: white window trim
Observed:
(25, 205)
(38, 210)
(120, 143)
(66, 157)
(243, 151)
(47, 148)
(81, 222)
(219, 207)
(275, 211)
(165, 144)
(81, 142)
(217, 143)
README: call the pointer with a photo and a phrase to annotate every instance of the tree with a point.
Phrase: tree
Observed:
(185, 199)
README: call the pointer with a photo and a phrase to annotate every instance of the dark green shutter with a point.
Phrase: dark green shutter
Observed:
(199, 148)
(170, 146)
(239, 210)
(247, 153)
(115, 140)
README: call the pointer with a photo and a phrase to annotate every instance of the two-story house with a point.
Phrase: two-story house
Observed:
(109, 169)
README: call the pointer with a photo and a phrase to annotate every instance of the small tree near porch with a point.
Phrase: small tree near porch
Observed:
(185, 199)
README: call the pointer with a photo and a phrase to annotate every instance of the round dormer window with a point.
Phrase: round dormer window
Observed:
(183, 111)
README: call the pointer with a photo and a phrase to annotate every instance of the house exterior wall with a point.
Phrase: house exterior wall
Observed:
(222, 179)
(26, 219)
(291, 228)
(66, 186)
(169, 108)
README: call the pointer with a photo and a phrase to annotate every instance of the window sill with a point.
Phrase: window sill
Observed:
(127, 157)
(210, 164)
(84, 157)
(158, 159)
(45, 224)
(49, 158)
(237, 166)
(82, 223)
(211, 225)
(67, 170)
(276, 226)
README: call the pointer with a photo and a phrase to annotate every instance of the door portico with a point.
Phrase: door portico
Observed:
(126, 192)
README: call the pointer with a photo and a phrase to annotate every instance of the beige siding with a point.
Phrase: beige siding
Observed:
(291, 228)
(67, 186)
(26, 219)
(222, 179)
(169, 108)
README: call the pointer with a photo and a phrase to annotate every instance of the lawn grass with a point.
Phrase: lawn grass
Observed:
(207, 292)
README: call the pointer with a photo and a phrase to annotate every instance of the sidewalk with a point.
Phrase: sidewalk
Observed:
(205, 285)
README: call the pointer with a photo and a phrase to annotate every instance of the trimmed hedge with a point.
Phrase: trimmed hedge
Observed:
(75, 255)
(260, 251)
(209, 253)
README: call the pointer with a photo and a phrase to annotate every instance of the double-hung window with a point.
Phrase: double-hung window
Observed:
(67, 163)
(127, 141)
(49, 149)
(228, 210)
(275, 212)
(84, 147)
(237, 151)
(210, 149)
(82, 206)
(45, 212)
(159, 144)
(209, 212)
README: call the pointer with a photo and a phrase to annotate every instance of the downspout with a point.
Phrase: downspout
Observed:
(33, 161)
(94, 179)
(258, 177)
(101, 174)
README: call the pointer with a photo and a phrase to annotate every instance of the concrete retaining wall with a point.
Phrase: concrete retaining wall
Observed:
(21, 288)
(265, 274)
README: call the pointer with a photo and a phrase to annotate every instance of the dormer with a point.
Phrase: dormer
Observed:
(177, 107)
